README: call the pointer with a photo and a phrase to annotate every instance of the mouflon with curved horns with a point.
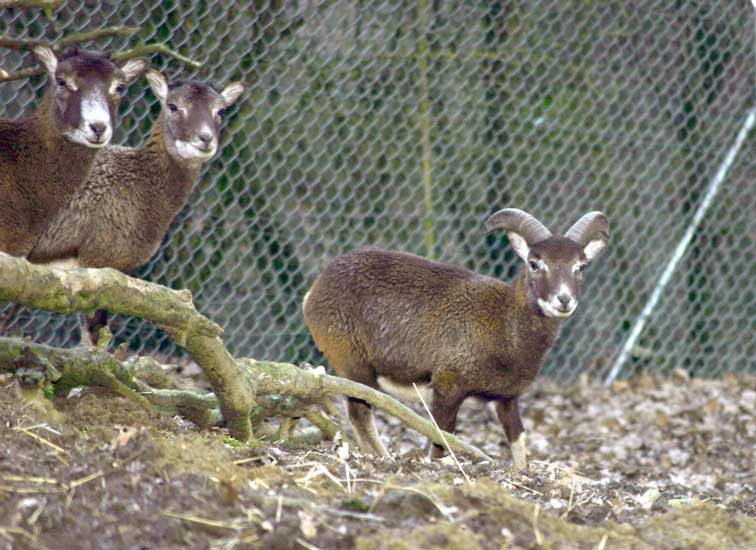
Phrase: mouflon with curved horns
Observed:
(44, 158)
(389, 319)
(119, 216)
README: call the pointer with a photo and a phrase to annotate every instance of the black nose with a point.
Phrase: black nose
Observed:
(206, 138)
(564, 298)
(98, 127)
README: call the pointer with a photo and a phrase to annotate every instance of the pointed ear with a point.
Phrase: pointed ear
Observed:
(133, 68)
(158, 84)
(232, 92)
(595, 245)
(46, 58)
(519, 244)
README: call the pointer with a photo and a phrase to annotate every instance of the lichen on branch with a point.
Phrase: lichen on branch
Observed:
(70, 290)
(243, 388)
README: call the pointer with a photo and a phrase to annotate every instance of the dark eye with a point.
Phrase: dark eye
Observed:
(581, 268)
(120, 89)
(61, 83)
(220, 112)
(533, 265)
(172, 107)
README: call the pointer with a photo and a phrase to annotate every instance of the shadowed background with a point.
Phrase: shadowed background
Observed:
(405, 123)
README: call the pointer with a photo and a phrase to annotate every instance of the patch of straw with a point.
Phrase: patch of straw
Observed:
(201, 521)
(17, 531)
(83, 480)
(39, 438)
(536, 531)
(306, 544)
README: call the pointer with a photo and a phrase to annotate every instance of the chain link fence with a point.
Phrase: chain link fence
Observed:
(403, 124)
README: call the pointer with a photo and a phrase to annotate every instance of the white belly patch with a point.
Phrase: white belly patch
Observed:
(405, 391)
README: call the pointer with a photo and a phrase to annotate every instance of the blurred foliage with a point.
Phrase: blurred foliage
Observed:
(554, 107)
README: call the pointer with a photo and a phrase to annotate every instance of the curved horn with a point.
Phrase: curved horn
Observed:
(519, 221)
(587, 226)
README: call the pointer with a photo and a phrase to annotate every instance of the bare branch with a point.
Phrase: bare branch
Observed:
(76, 38)
(19, 43)
(96, 35)
(29, 4)
(146, 49)
(271, 381)
(22, 73)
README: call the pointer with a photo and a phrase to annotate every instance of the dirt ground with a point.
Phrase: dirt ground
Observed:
(649, 463)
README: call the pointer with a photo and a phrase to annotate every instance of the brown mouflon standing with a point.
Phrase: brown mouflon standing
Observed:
(120, 215)
(388, 319)
(44, 158)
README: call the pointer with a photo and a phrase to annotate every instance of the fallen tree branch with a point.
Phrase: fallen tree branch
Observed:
(67, 291)
(71, 367)
(284, 378)
(71, 290)
(282, 389)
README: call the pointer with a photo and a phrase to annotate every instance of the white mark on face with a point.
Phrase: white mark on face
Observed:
(114, 85)
(94, 113)
(578, 265)
(405, 391)
(554, 307)
(190, 151)
(206, 130)
(551, 311)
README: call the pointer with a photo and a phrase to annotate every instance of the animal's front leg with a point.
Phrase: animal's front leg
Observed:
(444, 410)
(508, 411)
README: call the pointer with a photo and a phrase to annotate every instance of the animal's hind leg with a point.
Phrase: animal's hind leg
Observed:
(509, 415)
(363, 422)
(347, 360)
(90, 332)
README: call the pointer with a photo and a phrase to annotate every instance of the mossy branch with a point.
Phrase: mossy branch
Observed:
(282, 389)
(71, 290)
(67, 291)
(239, 385)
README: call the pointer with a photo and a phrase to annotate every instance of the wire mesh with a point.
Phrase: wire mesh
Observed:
(404, 124)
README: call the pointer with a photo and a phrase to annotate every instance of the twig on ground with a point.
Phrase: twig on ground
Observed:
(39, 438)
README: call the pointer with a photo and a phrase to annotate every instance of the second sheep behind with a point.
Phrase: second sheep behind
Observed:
(119, 217)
